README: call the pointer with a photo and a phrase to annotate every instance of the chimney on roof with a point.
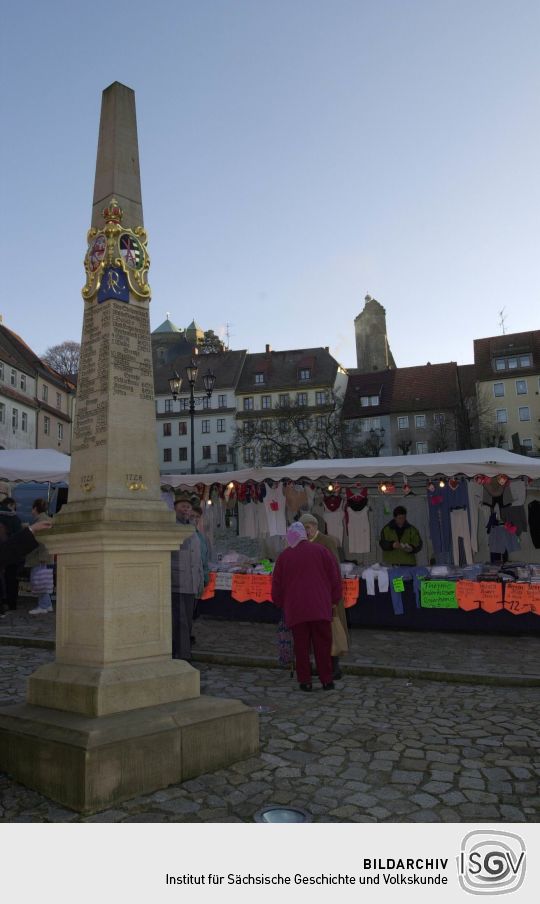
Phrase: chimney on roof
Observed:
(267, 349)
(327, 348)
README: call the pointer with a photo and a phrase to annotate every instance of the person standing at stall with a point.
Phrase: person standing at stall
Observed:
(187, 581)
(40, 563)
(306, 584)
(399, 540)
(314, 536)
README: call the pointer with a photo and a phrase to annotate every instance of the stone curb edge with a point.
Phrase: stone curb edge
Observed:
(377, 671)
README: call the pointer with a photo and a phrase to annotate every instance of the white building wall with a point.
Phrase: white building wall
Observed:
(219, 425)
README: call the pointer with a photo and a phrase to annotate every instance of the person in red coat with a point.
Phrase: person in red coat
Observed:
(306, 583)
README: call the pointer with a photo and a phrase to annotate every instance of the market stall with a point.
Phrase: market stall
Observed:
(477, 511)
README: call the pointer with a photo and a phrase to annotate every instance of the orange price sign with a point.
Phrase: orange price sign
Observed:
(516, 598)
(534, 598)
(261, 588)
(241, 587)
(210, 589)
(351, 589)
(468, 595)
(492, 596)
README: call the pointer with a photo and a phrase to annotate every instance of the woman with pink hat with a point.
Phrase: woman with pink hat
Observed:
(306, 583)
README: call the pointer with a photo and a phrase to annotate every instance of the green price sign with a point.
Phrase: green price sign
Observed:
(398, 585)
(438, 595)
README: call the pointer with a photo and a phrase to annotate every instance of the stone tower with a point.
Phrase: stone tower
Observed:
(372, 349)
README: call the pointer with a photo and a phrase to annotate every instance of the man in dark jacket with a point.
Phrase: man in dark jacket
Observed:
(12, 524)
(399, 540)
(18, 545)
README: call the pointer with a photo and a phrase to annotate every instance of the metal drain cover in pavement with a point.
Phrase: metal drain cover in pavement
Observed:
(282, 814)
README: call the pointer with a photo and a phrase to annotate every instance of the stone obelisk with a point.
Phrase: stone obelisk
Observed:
(115, 715)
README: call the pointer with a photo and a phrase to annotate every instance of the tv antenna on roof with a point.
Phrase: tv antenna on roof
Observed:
(502, 318)
(228, 334)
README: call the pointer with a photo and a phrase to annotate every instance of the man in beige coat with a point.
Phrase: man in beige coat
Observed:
(314, 536)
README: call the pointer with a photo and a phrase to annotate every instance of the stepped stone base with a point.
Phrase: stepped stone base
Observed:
(89, 764)
(101, 692)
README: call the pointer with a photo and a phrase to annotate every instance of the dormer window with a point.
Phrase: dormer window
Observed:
(367, 400)
(304, 373)
(259, 378)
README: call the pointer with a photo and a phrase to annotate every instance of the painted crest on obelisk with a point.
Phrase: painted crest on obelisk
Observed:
(117, 260)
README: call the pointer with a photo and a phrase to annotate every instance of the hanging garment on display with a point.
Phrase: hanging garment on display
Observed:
(333, 517)
(296, 498)
(534, 522)
(475, 493)
(518, 490)
(459, 524)
(274, 506)
(376, 573)
(358, 531)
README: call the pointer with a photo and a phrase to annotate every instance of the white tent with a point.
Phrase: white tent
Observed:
(40, 465)
(469, 462)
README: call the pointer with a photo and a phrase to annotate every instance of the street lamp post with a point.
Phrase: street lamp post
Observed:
(175, 385)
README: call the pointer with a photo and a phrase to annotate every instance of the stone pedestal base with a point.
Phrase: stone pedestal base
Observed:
(100, 692)
(89, 764)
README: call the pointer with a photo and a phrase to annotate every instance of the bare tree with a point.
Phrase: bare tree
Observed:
(404, 443)
(64, 358)
(439, 437)
(371, 446)
(291, 432)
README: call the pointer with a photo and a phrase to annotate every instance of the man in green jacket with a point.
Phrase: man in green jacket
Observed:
(399, 540)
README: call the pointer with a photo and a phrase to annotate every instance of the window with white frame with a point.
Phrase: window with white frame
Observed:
(302, 398)
(304, 373)
(220, 424)
(167, 428)
(266, 426)
(527, 443)
(58, 400)
(498, 390)
(222, 401)
(302, 423)
(524, 413)
(13, 377)
(320, 422)
(182, 453)
(248, 403)
(421, 448)
(46, 425)
(2, 413)
(168, 406)
(259, 378)
(15, 419)
(182, 428)
(205, 426)
(207, 452)
(184, 404)
(521, 387)
(322, 397)
(167, 455)
(512, 362)
(367, 400)
(420, 421)
(501, 416)
(24, 422)
(23, 382)
(206, 402)
(45, 393)
(60, 432)
(266, 401)
(222, 454)
(403, 422)
(438, 418)
(370, 423)
(284, 399)
(249, 455)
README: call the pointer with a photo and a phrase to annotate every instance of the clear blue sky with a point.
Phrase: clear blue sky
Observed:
(295, 155)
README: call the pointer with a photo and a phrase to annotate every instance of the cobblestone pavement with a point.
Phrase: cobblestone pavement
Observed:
(374, 750)
(479, 655)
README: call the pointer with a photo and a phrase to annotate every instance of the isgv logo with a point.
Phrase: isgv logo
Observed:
(491, 863)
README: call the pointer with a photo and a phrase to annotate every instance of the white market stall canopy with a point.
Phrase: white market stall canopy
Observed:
(39, 465)
(469, 462)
